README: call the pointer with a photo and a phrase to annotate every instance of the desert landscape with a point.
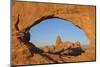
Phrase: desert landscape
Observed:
(25, 16)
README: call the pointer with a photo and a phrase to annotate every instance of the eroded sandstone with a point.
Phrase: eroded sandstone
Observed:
(27, 14)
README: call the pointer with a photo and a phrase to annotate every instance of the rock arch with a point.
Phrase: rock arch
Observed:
(31, 14)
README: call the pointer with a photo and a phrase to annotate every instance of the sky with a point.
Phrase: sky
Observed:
(46, 32)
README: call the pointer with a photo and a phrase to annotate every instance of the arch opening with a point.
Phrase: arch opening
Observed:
(45, 33)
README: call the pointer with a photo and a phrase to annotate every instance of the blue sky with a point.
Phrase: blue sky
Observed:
(47, 31)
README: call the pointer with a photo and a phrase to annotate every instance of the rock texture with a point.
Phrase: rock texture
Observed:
(27, 14)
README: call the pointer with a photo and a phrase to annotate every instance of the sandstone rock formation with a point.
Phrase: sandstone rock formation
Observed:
(67, 45)
(58, 41)
(64, 48)
(24, 52)
(45, 49)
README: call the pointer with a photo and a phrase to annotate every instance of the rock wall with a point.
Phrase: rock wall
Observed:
(27, 14)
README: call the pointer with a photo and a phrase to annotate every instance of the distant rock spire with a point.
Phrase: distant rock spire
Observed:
(58, 40)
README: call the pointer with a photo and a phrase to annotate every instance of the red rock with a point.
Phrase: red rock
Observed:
(58, 40)
(45, 49)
